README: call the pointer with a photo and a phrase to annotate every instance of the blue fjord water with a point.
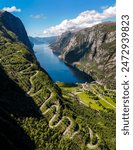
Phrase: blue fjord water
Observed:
(56, 68)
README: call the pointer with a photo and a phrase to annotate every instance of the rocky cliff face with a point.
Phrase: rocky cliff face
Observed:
(61, 42)
(91, 50)
(15, 25)
(33, 112)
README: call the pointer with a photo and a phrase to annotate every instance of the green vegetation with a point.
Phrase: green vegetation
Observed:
(93, 95)
(110, 27)
(54, 116)
(91, 50)
(98, 105)
(85, 98)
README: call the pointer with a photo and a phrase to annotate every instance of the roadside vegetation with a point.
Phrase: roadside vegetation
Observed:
(67, 117)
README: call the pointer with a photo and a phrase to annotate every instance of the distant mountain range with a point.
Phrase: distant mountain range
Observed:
(91, 50)
(42, 40)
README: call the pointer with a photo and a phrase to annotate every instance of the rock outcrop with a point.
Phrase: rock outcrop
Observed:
(91, 50)
(61, 42)
(33, 112)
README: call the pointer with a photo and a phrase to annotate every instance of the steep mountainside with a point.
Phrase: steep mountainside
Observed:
(36, 114)
(15, 25)
(61, 42)
(20, 77)
(13, 102)
(91, 50)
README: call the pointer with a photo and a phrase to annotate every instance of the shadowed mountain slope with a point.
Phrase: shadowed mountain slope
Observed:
(91, 50)
(14, 24)
(36, 114)
(13, 102)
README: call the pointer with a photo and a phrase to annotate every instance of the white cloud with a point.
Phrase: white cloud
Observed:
(84, 19)
(12, 9)
(38, 16)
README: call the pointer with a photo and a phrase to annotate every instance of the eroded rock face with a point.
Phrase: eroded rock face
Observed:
(91, 50)
(61, 42)
(14, 24)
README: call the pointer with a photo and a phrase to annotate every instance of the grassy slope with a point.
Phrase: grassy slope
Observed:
(46, 101)
(98, 107)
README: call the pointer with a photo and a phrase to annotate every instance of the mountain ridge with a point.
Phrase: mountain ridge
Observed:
(89, 49)
(48, 115)
(17, 27)
(42, 40)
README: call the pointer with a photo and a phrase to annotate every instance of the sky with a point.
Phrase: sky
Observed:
(53, 17)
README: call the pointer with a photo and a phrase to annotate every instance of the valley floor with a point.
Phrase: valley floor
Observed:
(92, 95)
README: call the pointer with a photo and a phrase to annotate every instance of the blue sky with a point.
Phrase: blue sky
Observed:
(51, 17)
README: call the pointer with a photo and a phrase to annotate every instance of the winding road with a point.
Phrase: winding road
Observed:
(69, 130)
(91, 146)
